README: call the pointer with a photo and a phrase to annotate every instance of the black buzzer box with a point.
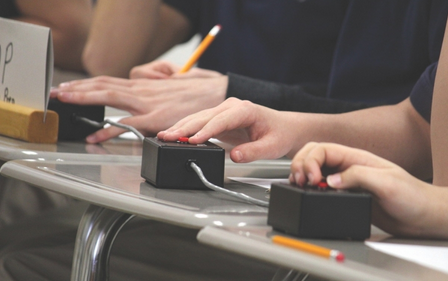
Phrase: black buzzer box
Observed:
(312, 212)
(167, 164)
(71, 129)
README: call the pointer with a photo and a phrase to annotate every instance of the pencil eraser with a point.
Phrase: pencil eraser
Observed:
(167, 164)
(340, 257)
(315, 212)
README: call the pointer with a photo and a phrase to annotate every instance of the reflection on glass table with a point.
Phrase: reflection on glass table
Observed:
(117, 192)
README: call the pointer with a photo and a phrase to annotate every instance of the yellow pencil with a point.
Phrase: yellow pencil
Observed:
(307, 247)
(201, 48)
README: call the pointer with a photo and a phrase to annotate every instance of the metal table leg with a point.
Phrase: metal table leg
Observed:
(96, 234)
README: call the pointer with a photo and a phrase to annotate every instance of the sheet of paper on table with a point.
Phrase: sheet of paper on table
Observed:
(429, 256)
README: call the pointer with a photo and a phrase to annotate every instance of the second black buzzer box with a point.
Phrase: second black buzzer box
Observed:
(312, 212)
(167, 164)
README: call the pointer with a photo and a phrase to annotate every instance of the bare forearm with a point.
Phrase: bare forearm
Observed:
(120, 36)
(397, 133)
(69, 22)
(173, 28)
(439, 118)
(124, 35)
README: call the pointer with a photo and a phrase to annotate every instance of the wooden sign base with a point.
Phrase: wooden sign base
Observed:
(27, 123)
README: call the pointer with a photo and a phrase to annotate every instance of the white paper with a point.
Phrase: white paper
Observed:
(429, 256)
(26, 63)
(261, 182)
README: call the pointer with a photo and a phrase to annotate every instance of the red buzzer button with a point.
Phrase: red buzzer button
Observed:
(340, 257)
(183, 139)
(322, 184)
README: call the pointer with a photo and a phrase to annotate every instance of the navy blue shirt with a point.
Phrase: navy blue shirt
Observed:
(284, 41)
(8, 9)
(372, 51)
(384, 47)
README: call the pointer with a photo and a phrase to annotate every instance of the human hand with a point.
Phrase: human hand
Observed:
(164, 70)
(154, 104)
(258, 132)
(403, 205)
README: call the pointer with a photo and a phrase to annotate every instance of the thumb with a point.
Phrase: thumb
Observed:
(252, 151)
(104, 134)
(112, 131)
(372, 179)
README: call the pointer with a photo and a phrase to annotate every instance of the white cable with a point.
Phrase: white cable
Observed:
(193, 165)
(239, 195)
(110, 122)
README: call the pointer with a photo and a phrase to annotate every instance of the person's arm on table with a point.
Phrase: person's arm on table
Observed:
(273, 95)
(259, 132)
(153, 103)
(69, 21)
(125, 34)
(403, 205)
(155, 106)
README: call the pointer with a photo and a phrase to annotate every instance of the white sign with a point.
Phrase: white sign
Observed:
(26, 63)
